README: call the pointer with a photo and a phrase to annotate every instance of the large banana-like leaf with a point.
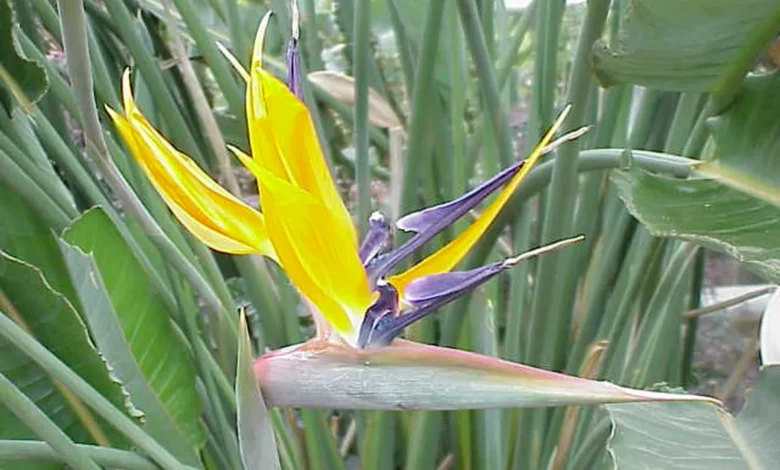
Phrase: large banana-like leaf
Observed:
(684, 45)
(131, 326)
(733, 203)
(409, 375)
(693, 436)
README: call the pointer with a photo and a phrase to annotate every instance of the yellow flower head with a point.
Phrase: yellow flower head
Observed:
(305, 226)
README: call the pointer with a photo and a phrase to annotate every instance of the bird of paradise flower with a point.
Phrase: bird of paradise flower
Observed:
(360, 305)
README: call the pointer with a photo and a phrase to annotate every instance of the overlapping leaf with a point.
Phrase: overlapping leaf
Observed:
(683, 45)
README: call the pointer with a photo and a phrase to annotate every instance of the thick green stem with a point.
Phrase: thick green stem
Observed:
(362, 57)
(37, 451)
(423, 89)
(475, 38)
(37, 421)
(61, 372)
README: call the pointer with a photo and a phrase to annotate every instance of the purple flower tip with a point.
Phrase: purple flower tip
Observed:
(294, 69)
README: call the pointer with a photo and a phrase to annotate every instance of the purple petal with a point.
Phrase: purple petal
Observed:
(436, 286)
(386, 306)
(376, 238)
(294, 69)
(429, 222)
(427, 293)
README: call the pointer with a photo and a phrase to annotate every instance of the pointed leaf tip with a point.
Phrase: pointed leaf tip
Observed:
(255, 434)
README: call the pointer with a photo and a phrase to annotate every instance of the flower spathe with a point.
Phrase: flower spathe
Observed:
(305, 227)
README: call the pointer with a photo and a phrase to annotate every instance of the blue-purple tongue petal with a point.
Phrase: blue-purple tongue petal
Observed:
(294, 69)
(429, 222)
(376, 239)
(430, 217)
(427, 293)
(437, 286)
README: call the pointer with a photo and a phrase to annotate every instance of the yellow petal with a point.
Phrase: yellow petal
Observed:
(315, 251)
(209, 211)
(283, 140)
(449, 255)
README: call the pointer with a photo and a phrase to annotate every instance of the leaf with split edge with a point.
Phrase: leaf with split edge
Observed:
(408, 375)
(131, 326)
(29, 299)
(705, 212)
(690, 436)
(20, 79)
(255, 434)
(681, 45)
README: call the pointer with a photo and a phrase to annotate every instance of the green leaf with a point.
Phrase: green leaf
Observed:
(708, 213)
(703, 436)
(30, 239)
(255, 434)
(747, 136)
(22, 79)
(132, 329)
(736, 209)
(684, 45)
(28, 298)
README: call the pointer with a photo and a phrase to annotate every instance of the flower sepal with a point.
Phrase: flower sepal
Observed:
(409, 375)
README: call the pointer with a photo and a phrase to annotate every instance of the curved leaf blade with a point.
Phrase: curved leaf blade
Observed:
(708, 213)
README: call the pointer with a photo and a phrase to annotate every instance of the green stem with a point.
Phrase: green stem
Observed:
(37, 421)
(215, 60)
(362, 57)
(475, 38)
(423, 89)
(552, 328)
(61, 372)
(74, 35)
(37, 451)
